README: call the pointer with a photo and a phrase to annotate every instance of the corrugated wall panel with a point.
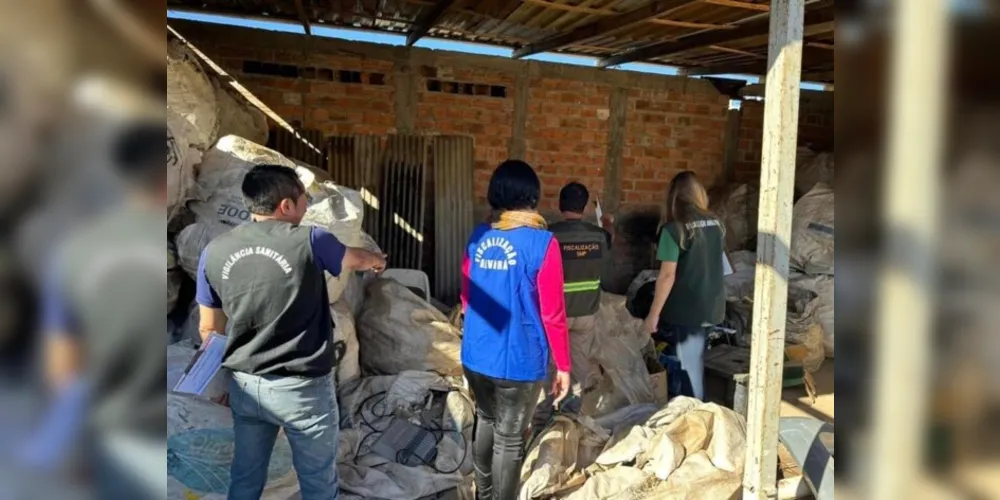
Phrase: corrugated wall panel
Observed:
(454, 160)
(402, 200)
(353, 161)
(288, 144)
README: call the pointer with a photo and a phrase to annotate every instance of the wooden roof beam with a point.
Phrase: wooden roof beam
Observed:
(429, 16)
(816, 22)
(602, 27)
(303, 18)
(741, 5)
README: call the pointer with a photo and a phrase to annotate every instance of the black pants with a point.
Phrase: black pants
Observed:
(503, 410)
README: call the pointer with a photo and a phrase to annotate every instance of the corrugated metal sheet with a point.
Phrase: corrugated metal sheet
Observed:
(418, 199)
(453, 159)
(402, 200)
(292, 146)
(353, 161)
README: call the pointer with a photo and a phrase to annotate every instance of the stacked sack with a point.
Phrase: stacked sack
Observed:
(812, 255)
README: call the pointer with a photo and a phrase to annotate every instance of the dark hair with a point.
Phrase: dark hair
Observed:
(264, 186)
(514, 186)
(573, 198)
(137, 154)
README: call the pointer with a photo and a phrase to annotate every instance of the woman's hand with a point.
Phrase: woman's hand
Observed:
(560, 388)
(651, 323)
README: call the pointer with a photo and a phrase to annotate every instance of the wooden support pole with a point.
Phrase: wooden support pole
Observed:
(731, 142)
(906, 284)
(777, 182)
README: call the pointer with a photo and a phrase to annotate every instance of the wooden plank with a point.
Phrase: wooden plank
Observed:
(820, 45)
(303, 18)
(740, 5)
(581, 9)
(774, 226)
(517, 147)
(731, 143)
(429, 16)
(685, 24)
(910, 213)
(617, 110)
(572, 8)
(602, 27)
(737, 51)
(818, 21)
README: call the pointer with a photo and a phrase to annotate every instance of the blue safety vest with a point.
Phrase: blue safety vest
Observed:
(503, 332)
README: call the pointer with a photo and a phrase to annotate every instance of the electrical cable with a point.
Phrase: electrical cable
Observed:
(384, 414)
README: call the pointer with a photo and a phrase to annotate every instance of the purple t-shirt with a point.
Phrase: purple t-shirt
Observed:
(328, 253)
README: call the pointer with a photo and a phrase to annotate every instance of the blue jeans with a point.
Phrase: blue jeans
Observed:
(307, 410)
(685, 359)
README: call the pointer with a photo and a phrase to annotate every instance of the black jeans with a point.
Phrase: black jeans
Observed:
(503, 410)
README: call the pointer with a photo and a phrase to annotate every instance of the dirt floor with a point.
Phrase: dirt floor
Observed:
(795, 402)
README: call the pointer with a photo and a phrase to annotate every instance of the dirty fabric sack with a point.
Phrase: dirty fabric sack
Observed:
(200, 453)
(237, 116)
(344, 331)
(181, 161)
(688, 449)
(618, 349)
(399, 331)
(812, 249)
(368, 406)
(191, 95)
(737, 208)
(815, 169)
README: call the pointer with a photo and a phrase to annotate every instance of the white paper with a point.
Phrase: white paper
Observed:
(598, 211)
(204, 368)
(727, 268)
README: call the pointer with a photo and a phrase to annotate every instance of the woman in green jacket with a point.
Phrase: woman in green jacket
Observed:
(689, 296)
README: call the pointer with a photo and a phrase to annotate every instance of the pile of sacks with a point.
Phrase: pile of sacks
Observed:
(686, 449)
(737, 204)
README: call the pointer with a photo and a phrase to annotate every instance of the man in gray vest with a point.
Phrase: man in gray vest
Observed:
(265, 281)
(103, 312)
(585, 253)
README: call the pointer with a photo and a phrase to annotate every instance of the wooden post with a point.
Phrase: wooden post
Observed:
(906, 284)
(777, 182)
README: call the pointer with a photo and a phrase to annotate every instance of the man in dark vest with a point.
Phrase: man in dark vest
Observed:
(586, 249)
(265, 281)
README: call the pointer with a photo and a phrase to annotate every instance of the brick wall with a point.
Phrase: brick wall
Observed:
(566, 135)
(671, 123)
(667, 133)
(815, 131)
(487, 118)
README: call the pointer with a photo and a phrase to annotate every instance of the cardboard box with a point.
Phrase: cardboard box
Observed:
(658, 379)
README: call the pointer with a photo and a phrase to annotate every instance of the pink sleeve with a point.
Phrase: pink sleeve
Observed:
(552, 303)
(466, 271)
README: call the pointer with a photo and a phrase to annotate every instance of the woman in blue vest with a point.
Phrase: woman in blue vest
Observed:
(689, 294)
(515, 318)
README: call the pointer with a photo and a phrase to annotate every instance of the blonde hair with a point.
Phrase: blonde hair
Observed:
(686, 199)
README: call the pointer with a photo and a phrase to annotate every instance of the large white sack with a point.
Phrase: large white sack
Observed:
(812, 249)
(200, 453)
(237, 116)
(737, 210)
(220, 179)
(400, 331)
(181, 159)
(426, 398)
(340, 211)
(191, 95)
(174, 277)
(823, 312)
(815, 170)
(344, 331)
(192, 240)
